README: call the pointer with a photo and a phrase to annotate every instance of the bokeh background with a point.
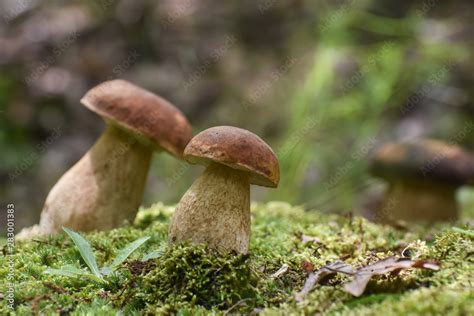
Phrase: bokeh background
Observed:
(323, 82)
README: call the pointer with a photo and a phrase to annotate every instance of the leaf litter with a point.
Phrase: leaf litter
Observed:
(362, 276)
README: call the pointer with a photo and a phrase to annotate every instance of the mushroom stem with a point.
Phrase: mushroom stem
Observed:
(101, 191)
(411, 200)
(215, 210)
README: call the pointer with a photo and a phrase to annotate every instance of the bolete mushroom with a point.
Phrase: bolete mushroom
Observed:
(105, 187)
(216, 208)
(423, 177)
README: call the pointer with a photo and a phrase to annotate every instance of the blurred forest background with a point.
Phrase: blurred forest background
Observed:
(323, 82)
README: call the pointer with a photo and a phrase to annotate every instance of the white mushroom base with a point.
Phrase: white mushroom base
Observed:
(215, 211)
(419, 201)
(101, 191)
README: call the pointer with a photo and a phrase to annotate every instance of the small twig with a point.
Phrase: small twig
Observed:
(39, 241)
(55, 288)
(235, 305)
(284, 268)
(35, 303)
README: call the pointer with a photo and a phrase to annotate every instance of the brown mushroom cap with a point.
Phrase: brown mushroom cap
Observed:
(140, 112)
(238, 149)
(430, 159)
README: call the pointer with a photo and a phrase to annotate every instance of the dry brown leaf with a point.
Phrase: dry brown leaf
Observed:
(391, 264)
(362, 276)
(317, 276)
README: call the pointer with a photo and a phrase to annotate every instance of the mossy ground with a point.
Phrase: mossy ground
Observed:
(191, 280)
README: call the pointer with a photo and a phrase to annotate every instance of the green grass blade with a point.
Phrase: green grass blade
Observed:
(106, 270)
(69, 270)
(152, 255)
(85, 250)
(124, 254)
(468, 232)
(72, 271)
(61, 272)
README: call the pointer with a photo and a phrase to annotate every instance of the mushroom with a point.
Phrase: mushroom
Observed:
(105, 187)
(216, 208)
(423, 177)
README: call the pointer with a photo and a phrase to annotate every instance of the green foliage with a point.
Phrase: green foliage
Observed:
(85, 250)
(352, 109)
(123, 255)
(468, 232)
(192, 280)
(87, 255)
(194, 276)
(72, 271)
(152, 255)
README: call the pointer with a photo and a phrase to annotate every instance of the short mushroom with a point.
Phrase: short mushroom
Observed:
(423, 178)
(105, 187)
(216, 208)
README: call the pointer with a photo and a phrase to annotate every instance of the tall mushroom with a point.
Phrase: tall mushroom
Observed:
(106, 186)
(216, 208)
(423, 177)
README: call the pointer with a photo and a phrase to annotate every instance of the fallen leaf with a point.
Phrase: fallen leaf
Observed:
(341, 267)
(362, 276)
(391, 264)
(310, 282)
(317, 276)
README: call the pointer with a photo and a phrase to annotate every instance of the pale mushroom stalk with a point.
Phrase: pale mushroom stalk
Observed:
(104, 189)
(419, 201)
(215, 210)
(115, 167)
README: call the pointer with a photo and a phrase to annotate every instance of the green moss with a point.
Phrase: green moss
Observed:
(192, 280)
(188, 276)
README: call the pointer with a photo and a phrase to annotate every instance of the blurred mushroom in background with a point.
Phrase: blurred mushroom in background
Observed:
(423, 178)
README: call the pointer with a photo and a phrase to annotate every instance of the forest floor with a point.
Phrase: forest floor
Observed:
(288, 245)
